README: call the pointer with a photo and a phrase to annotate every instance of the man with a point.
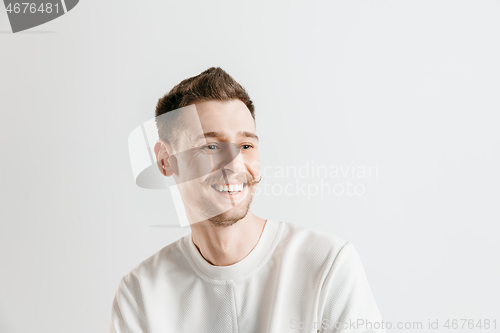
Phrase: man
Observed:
(235, 271)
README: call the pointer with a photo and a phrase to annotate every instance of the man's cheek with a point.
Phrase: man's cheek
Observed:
(253, 166)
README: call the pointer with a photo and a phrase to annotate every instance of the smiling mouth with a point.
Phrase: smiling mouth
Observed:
(229, 188)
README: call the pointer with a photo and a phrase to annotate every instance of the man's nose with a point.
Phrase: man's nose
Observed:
(230, 158)
(236, 165)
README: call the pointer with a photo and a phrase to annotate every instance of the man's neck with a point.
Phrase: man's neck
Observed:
(224, 246)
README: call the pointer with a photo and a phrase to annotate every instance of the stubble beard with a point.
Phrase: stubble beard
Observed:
(232, 215)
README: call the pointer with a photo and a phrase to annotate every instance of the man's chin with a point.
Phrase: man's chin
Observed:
(219, 211)
(229, 217)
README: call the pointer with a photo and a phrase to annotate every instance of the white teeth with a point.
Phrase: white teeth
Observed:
(229, 188)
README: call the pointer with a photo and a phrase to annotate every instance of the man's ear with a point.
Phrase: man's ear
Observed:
(165, 160)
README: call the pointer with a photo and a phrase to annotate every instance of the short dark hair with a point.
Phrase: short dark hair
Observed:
(212, 84)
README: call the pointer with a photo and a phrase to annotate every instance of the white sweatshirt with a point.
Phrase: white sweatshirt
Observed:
(295, 280)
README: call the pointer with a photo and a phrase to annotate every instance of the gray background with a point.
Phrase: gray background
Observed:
(408, 86)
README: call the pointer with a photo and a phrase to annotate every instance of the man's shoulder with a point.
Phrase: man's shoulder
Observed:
(168, 259)
(309, 243)
(309, 235)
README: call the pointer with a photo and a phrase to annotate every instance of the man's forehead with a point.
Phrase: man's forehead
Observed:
(222, 120)
(220, 115)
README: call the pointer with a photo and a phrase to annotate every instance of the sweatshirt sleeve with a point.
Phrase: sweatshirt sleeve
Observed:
(348, 303)
(127, 313)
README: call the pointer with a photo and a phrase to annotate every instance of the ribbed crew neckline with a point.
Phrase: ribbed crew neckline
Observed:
(267, 241)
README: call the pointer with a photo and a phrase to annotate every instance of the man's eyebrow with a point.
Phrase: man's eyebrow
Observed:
(249, 135)
(221, 135)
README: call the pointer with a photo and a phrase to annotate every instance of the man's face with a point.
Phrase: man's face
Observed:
(218, 164)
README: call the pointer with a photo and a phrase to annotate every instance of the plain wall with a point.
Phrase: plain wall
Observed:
(409, 88)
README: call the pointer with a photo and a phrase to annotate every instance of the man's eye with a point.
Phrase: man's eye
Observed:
(211, 147)
(246, 146)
